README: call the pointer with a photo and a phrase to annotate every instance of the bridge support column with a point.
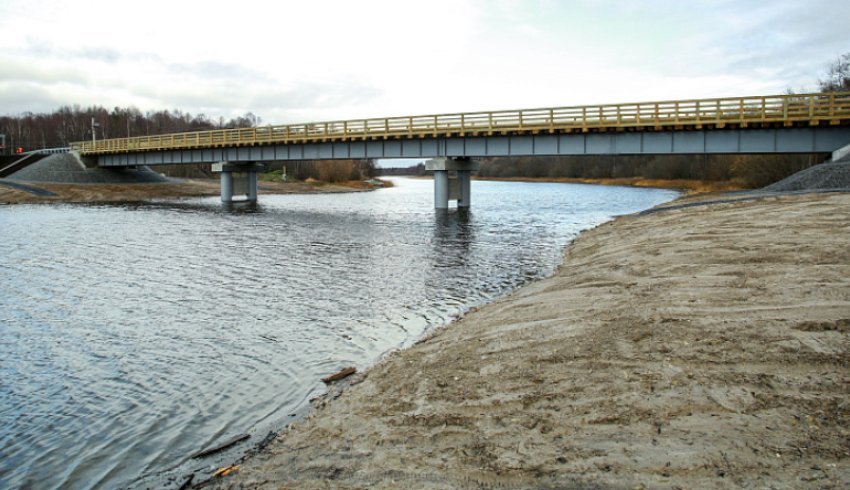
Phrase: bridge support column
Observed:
(238, 179)
(464, 180)
(252, 186)
(441, 189)
(447, 188)
(226, 187)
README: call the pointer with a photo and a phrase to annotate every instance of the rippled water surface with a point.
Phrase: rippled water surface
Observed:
(131, 336)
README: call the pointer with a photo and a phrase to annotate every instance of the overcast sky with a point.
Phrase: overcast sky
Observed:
(315, 60)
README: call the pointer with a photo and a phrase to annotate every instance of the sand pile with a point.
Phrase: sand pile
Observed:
(826, 176)
(66, 168)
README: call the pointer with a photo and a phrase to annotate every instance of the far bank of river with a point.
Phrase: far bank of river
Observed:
(184, 188)
(688, 186)
(180, 188)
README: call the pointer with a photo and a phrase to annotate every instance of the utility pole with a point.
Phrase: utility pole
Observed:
(93, 126)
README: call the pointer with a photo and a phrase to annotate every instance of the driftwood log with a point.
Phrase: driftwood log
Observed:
(224, 445)
(338, 376)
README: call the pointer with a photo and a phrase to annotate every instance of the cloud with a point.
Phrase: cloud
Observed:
(18, 98)
(18, 71)
(317, 98)
(290, 62)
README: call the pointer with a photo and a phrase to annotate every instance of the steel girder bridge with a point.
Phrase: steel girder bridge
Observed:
(791, 123)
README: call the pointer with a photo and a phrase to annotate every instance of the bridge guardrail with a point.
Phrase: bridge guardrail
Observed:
(47, 151)
(813, 109)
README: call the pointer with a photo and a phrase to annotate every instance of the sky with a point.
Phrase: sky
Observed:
(319, 60)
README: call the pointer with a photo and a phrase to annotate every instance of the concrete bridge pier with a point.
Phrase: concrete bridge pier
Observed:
(464, 197)
(238, 179)
(448, 188)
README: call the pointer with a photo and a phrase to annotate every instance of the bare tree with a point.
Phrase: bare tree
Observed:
(73, 123)
(837, 75)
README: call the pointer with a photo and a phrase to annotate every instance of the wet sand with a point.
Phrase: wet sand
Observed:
(696, 347)
(89, 193)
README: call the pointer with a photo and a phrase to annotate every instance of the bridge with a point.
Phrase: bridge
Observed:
(790, 123)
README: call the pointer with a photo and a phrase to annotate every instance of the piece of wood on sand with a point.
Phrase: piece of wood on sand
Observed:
(224, 445)
(338, 376)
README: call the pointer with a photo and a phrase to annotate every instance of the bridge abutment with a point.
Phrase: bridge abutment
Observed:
(448, 188)
(238, 179)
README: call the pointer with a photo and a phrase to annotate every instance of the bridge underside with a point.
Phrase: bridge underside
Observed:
(817, 139)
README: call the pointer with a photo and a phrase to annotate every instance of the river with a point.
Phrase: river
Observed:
(134, 335)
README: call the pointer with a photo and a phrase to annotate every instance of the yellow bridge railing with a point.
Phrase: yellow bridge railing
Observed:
(775, 110)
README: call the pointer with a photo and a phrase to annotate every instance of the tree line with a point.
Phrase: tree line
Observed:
(416, 170)
(747, 171)
(320, 170)
(67, 124)
(324, 170)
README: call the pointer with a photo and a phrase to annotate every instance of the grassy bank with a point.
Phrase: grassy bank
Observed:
(87, 193)
(689, 186)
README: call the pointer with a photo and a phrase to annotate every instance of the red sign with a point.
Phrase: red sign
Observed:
(19, 150)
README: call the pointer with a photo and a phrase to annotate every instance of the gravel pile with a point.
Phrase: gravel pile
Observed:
(826, 176)
(67, 168)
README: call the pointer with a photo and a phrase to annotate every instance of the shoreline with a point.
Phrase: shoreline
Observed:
(409, 416)
(180, 188)
(686, 186)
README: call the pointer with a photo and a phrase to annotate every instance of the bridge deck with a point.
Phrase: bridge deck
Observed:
(738, 112)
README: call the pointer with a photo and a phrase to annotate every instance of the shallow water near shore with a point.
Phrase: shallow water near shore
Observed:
(134, 335)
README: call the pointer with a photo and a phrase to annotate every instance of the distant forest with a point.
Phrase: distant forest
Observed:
(74, 123)
(415, 170)
(747, 171)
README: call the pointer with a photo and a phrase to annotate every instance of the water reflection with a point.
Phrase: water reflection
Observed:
(453, 229)
(241, 207)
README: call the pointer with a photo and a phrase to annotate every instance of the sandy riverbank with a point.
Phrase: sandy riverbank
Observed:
(697, 347)
(88, 193)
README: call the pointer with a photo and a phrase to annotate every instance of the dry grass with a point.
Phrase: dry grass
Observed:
(687, 186)
(80, 193)
(363, 184)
